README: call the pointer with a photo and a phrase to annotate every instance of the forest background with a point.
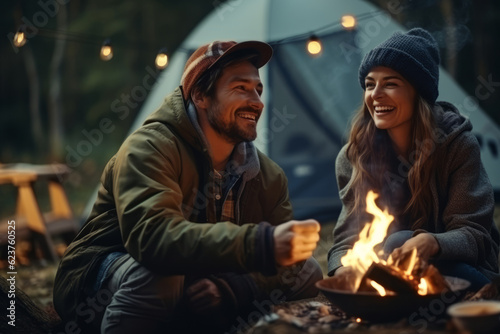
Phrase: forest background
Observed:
(56, 87)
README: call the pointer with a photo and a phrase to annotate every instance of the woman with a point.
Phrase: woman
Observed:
(420, 156)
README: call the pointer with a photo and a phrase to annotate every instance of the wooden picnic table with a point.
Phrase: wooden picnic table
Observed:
(30, 221)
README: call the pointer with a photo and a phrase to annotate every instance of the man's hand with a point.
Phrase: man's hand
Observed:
(427, 246)
(203, 297)
(295, 241)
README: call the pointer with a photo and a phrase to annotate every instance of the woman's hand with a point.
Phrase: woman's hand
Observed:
(426, 245)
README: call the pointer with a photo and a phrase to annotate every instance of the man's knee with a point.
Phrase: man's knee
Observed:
(140, 294)
(131, 278)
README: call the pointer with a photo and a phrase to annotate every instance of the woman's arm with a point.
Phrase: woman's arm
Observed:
(467, 213)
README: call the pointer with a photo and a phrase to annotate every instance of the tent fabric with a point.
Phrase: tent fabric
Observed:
(311, 92)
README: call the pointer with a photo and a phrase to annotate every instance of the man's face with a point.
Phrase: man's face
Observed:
(234, 110)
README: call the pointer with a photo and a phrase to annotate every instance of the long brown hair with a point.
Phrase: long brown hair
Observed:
(368, 149)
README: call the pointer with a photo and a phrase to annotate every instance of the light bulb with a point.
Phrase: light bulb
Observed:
(348, 22)
(161, 60)
(19, 38)
(106, 50)
(314, 46)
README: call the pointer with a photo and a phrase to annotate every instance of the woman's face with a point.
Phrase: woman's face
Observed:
(390, 98)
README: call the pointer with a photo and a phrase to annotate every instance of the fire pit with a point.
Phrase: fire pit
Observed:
(371, 306)
(379, 287)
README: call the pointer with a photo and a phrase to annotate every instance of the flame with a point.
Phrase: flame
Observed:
(379, 288)
(362, 255)
(412, 263)
(422, 287)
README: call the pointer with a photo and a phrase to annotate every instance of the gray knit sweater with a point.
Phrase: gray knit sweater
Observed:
(462, 200)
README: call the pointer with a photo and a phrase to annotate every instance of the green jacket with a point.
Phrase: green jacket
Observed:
(155, 202)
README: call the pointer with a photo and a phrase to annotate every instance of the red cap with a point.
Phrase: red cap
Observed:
(208, 55)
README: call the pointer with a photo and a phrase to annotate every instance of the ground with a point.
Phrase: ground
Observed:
(315, 315)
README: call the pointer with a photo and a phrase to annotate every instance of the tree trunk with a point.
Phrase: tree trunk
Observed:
(55, 98)
(451, 37)
(34, 97)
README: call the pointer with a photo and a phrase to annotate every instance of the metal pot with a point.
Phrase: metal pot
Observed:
(373, 307)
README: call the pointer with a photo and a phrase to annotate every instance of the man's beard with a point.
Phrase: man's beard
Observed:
(230, 130)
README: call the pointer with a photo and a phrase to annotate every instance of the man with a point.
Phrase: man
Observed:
(190, 220)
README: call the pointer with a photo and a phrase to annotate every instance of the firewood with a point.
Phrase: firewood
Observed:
(403, 262)
(435, 281)
(391, 279)
(365, 285)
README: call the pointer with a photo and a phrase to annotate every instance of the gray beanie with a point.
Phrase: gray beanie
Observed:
(415, 55)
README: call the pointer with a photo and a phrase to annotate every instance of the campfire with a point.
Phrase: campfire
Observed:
(378, 292)
(371, 271)
(380, 288)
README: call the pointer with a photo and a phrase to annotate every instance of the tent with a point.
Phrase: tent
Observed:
(310, 100)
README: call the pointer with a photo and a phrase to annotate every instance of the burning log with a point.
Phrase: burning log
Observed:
(435, 282)
(367, 285)
(410, 263)
(392, 279)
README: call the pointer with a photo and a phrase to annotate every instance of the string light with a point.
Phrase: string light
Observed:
(161, 60)
(19, 38)
(348, 22)
(106, 50)
(314, 46)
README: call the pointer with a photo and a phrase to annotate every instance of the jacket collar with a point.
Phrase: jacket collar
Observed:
(173, 113)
